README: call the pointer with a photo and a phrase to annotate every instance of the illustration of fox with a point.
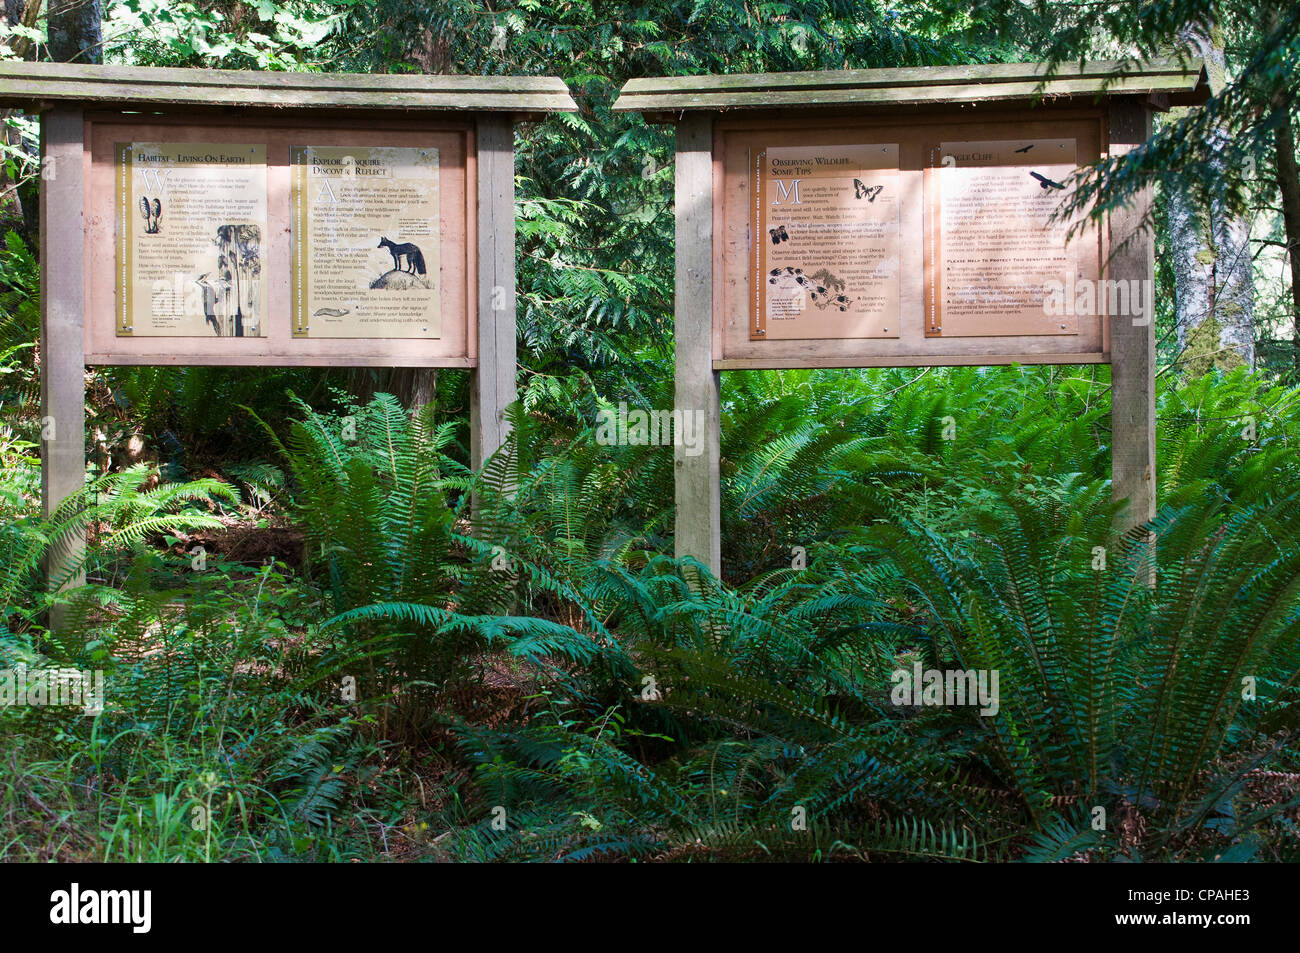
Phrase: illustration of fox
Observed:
(414, 257)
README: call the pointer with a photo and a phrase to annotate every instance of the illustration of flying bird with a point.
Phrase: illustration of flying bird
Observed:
(1026, 148)
(1045, 182)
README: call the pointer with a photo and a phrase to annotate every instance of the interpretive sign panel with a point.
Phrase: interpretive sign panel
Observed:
(993, 252)
(191, 228)
(323, 246)
(366, 237)
(864, 241)
(825, 224)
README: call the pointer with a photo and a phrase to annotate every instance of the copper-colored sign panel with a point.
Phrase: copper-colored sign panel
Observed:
(993, 255)
(825, 242)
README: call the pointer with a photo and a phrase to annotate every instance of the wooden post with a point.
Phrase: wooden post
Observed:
(1133, 338)
(63, 307)
(698, 526)
(492, 385)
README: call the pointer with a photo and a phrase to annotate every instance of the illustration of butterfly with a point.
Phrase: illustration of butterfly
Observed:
(862, 192)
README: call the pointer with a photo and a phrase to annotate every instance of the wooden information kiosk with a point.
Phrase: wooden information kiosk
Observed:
(894, 217)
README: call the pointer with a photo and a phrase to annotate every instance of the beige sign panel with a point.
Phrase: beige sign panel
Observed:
(994, 255)
(366, 242)
(191, 232)
(825, 242)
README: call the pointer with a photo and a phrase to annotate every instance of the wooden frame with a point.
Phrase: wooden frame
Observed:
(86, 108)
(1133, 342)
(39, 86)
(63, 295)
(494, 380)
(665, 99)
(1105, 106)
(697, 493)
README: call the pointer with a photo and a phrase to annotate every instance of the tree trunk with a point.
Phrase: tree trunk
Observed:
(415, 387)
(1214, 286)
(13, 215)
(1288, 183)
(76, 31)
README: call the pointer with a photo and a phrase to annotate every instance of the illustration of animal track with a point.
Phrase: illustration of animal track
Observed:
(823, 288)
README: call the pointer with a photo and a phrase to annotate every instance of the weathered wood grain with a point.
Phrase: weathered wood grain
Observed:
(493, 386)
(63, 299)
(39, 85)
(1182, 80)
(1132, 339)
(698, 523)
